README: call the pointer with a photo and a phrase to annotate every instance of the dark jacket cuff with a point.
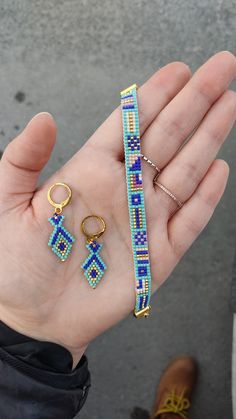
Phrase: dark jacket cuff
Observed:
(36, 384)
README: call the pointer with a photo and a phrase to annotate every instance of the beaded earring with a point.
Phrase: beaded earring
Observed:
(93, 265)
(60, 240)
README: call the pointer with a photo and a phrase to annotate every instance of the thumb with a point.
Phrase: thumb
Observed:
(24, 158)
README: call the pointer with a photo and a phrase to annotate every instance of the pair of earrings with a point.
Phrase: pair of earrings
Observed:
(61, 241)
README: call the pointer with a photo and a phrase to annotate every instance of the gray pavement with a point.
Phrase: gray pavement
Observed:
(71, 58)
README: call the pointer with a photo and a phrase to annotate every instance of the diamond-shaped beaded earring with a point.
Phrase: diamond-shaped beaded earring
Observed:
(93, 265)
(60, 240)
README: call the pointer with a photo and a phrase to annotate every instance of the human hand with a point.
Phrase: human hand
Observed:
(49, 300)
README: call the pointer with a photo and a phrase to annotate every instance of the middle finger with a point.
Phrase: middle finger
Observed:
(184, 113)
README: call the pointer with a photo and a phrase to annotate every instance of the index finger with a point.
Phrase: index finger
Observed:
(153, 96)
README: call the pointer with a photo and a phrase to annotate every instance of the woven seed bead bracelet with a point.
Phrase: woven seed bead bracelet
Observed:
(137, 215)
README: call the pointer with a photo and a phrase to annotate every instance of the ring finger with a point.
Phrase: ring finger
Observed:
(184, 173)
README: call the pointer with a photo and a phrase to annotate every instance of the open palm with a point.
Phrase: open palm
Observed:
(50, 300)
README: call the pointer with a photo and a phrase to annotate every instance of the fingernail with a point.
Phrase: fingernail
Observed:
(38, 115)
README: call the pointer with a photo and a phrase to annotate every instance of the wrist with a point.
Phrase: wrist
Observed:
(42, 333)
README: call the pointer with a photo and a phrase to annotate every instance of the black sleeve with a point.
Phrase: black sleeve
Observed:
(37, 380)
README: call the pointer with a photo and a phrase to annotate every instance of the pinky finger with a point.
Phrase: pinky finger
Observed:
(188, 222)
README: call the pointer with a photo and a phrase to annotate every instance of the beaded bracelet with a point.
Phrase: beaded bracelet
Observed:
(137, 215)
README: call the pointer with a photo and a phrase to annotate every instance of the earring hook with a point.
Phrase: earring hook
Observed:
(91, 237)
(59, 205)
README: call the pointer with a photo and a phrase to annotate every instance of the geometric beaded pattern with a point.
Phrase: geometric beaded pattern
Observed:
(60, 240)
(93, 265)
(137, 215)
(130, 119)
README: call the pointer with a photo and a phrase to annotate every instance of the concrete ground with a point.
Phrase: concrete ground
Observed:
(71, 58)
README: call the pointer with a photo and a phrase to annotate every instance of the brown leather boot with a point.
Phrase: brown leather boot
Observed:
(175, 389)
